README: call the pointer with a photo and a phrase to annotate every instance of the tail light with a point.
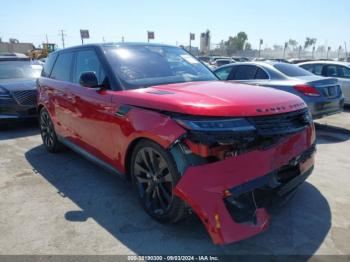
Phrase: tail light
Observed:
(307, 90)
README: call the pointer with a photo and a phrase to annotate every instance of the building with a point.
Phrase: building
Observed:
(15, 47)
(204, 45)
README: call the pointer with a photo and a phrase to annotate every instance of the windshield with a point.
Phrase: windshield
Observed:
(19, 69)
(145, 65)
(291, 70)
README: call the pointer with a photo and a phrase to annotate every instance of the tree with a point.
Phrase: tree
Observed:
(277, 47)
(293, 43)
(236, 43)
(309, 42)
(248, 46)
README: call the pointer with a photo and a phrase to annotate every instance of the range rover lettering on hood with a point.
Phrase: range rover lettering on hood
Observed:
(281, 108)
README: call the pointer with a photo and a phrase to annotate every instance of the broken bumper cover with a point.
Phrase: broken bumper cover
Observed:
(231, 196)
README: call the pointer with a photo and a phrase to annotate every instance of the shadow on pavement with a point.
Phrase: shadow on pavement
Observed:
(297, 228)
(329, 134)
(17, 130)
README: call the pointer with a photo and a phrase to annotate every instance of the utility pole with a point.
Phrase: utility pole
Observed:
(260, 43)
(346, 51)
(122, 39)
(284, 49)
(328, 49)
(62, 34)
(47, 39)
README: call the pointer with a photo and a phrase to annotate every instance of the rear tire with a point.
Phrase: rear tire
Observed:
(154, 175)
(48, 133)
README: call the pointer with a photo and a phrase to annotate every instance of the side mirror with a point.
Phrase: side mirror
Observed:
(88, 79)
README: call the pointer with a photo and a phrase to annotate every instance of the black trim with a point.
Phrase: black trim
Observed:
(89, 156)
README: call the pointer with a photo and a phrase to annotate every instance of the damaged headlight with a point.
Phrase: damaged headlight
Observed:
(213, 125)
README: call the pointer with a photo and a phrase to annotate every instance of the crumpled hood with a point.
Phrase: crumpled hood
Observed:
(12, 85)
(212, 98)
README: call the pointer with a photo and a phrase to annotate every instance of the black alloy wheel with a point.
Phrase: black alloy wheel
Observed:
(48, 134)
(155, 175)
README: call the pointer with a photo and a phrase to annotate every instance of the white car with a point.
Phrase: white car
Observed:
(337, 69)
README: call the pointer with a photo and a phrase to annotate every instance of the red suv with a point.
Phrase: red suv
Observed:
(158, 116)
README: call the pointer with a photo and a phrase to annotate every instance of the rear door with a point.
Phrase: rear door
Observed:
(91, 108)
(55, 88)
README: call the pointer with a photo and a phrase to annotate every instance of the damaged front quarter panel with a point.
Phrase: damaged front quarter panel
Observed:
(210, 187)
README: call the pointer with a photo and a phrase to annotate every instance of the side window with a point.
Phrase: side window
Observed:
(331, 70)
(343, 72)
(223, 73)
(317, 69)
(47, 68)
(62, 68)
(261, 74)
(245, 72)
(87, 61)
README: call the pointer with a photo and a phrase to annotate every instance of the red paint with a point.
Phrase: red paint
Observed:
(87, 118)
(213, 98)
(203, 186)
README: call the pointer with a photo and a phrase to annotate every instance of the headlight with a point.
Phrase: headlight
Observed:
(233, 124)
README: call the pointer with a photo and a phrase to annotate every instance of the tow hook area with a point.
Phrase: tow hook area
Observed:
(230, 196)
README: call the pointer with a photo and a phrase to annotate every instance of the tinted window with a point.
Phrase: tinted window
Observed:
(87, 61)
(62, 68)
(331, 70)
(245, 72)
(19, 69)
(313, 68)
(146, 65)
(48, 65)
(223, 73)
(343, 72)
(261, 74)
(291, 70)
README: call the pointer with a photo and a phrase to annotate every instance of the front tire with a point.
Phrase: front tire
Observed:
(154, 176)
(48, 133)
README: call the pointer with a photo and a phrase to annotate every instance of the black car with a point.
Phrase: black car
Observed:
(17, 88)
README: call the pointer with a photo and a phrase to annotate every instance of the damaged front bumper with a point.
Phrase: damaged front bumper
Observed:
(230, 196)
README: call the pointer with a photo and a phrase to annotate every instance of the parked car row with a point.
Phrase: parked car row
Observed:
(322, 95)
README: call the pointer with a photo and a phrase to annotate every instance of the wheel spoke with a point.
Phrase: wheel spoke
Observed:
(142, 180)
(140, 168)
(145, 160)
(164, 193)
(161, 200)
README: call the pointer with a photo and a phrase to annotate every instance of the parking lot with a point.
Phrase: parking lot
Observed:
(63, 204)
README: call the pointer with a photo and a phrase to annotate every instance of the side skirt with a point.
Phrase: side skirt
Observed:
(90, 157)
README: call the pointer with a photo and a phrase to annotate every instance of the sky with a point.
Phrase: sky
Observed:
(275, 21)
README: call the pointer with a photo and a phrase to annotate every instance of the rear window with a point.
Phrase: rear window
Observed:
(291, 70)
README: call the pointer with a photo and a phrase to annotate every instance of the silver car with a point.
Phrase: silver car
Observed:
(322, 95)
(339, 70)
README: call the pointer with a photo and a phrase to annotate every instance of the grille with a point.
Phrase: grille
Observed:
(282, 123)
(25, 97)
